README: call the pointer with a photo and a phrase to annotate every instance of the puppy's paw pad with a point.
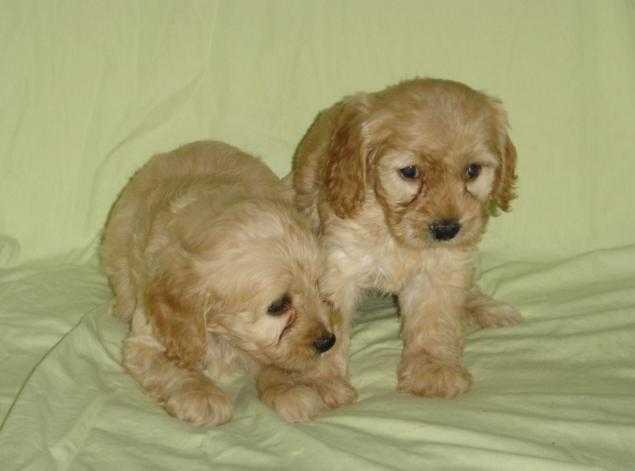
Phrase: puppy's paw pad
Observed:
(426, 377)
(337, 392)
(200, 404)
(297, 404)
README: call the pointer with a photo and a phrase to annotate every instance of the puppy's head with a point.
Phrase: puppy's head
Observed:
(434, 155)
(254, 270)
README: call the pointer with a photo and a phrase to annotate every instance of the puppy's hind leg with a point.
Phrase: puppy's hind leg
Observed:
(185, 393)
(483, 311)
(125, 301)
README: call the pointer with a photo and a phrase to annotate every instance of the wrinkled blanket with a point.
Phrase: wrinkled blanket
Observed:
(89, 90)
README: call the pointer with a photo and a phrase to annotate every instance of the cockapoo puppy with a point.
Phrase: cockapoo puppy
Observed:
(400, 184)
(216, 270)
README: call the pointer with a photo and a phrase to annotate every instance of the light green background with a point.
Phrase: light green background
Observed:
(90, 89)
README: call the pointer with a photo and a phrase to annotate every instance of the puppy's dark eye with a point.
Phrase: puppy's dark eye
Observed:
(279, 306)
(410, 172)
(472, 171)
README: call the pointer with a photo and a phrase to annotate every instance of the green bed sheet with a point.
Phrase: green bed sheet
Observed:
(88, 90)
(555, 393)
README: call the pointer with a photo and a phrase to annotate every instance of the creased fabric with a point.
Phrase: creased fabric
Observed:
(89, 90)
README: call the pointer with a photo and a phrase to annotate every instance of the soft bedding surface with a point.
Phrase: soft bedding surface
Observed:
(555, 393)
(89, 90)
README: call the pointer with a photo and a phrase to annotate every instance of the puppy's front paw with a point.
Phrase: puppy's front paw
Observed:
(200, 403)
(336, 392)
(298, 403)
(426, 376)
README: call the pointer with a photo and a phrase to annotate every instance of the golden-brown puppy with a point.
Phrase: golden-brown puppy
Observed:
(216, 271)
(399, 184)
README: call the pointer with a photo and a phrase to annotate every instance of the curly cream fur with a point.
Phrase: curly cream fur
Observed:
(374, 223)
(198, 246)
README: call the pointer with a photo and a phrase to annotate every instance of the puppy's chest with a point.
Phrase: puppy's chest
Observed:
(383, 266)
(390, 271)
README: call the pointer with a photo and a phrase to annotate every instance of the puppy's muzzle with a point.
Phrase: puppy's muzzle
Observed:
(324, 343)
(445, 229)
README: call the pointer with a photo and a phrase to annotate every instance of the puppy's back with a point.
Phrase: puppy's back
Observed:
(160, 190)
(210, 162)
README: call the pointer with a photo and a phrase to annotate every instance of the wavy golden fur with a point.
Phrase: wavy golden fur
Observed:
(216, 271)
(399, 184)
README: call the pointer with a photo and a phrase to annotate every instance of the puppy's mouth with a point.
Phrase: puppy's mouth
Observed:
(287, 328)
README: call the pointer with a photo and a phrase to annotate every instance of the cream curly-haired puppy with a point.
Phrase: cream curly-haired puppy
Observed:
(216, 271)
(399, 184)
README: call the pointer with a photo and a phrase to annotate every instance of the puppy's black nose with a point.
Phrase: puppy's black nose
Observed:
(324, 343)
(445, 229)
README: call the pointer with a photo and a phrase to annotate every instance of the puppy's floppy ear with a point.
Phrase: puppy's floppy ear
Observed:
(506, 176)
(345, 171)
(177, 315)
(505, 180)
